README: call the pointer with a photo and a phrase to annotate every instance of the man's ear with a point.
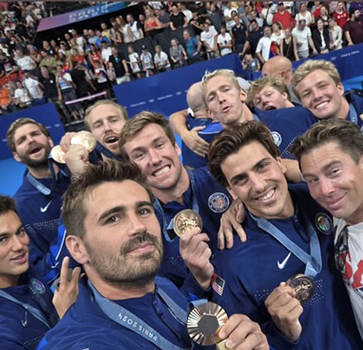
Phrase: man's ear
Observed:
(16, 157)
(340, 88)
(232, 193)
(77, 249)
(243, 95)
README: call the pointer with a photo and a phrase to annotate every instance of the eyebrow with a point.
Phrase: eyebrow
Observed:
(243, 175)
(122, 209)
(2, 234)
(325, 167)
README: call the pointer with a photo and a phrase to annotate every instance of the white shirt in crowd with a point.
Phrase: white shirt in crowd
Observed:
(135, 30)
(228, 13)
(32, 86)
(134, 62)
(301, 37)
(22, 95)
(26, 63)
(161, 60)
(106, 53)
(208, 37)
(264, 46)
(223, 40)
(308, 17)
(353, 276)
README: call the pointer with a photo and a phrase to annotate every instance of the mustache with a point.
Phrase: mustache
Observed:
(135, 242)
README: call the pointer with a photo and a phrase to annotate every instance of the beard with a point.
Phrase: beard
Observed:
(124, 270)
(37, 163)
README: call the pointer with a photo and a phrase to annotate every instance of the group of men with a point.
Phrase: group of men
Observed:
(139, 275)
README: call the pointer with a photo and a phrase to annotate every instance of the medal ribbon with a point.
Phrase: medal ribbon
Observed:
(313, 260)
(353, 116)
(117, 314)
(158, 207)
(35, 312)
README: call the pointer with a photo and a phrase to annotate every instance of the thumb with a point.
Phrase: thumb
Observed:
(198, 128)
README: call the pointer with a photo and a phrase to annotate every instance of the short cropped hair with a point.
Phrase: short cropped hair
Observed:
(345, 133)
(219, 72)
(74, 211)
(19, 123)
(136, 124)
(311, 65)
(257, 85)
(7, 204)
(230, 140)
(99, 103)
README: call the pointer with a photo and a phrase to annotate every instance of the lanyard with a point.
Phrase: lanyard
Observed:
(353, 114)
(35, 312)
(128, 320)
(158, 207)
(95, 156)
(312, 261)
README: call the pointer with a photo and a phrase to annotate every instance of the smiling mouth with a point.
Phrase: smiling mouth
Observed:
(269, 108)
(321, 105)
(35, 150)
(267, 196)
(162, 171)
(21, 258)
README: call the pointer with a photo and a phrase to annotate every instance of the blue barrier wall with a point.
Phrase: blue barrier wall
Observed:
(45, 114)
(166, 92)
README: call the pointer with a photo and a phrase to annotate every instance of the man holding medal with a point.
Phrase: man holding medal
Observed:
(280, 277)
(112, 230)
(330, 155)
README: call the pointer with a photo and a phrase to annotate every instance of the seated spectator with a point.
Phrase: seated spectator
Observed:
(65, 61)
(304, 14)
(340, 14)
(48, 48)
(177, 18)
(193, 46)
(116, 33)
(134, 61)
(6, 101)
(269, 93)
(147, 61)
(336, 34)
(164, 17)
(10, 69)
(34, 88)
(353, 29)
(54, 46)
(288, 46)
(209, 39)
(22, 98)
(135, 27)
(321, 37)
(34, 54)
(251, 64)
(106, 32)
(92, 37)
(302, 40)
(117, 67)
(100, 39)
(161, 60)
(106, 51)
(224, 41)
(177, 54)
(152, 24)
(77, 56)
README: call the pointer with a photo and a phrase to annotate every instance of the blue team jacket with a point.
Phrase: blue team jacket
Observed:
(212, 199)
(85, 326)
(252, 270)
(19, 329)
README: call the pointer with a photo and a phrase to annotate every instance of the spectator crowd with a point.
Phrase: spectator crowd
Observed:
(82, 63)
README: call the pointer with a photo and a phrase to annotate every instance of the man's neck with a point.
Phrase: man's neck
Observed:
(245, 116)
(175, 193)
(112, 292)
(42, 172)
(343, 112)
(9, 281)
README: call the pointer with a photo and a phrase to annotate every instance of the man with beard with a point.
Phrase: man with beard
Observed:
(39, 199)
(112, 230)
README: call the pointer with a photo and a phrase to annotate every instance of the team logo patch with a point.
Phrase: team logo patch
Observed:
(218, 202)
(218, 284)
(277, 138)
(37, 286)
(324, 223)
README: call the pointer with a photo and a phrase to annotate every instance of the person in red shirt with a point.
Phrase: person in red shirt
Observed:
(284, 17)
(341, 15)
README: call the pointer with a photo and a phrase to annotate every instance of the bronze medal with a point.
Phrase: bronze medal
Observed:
(186, 220)
(304, 287)
(57, 154)
(86, 139)
(203, 323)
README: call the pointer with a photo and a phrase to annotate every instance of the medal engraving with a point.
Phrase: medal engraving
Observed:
(186, 220)
(85, 139)
(304, 287)
(203, 323)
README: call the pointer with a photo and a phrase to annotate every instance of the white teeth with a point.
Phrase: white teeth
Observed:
(162, 171)
(321, 105)
(268, 195)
